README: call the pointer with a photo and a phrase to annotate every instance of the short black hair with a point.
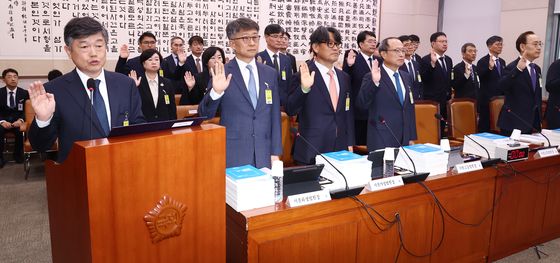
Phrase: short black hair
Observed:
(362, 36)
(414, 38)
(404, 38)
(321, 35)
(273, 29)
(81, 27)
(287, 34)
(522, 39)
(145, 35)
(435, 35)
(465, 46)
(493, 39)
(148, 53)
(177, 37)
(197, 39)
(9, 70)
(209, 53)
(239, 24)
(384, 44)
(53, 74)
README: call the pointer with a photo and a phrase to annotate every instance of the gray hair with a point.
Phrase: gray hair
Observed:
(384, 45)
(80, 27)
(239, 24)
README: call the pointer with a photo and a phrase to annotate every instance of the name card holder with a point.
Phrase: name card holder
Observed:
(467, 167)
(385, 183)
(308, 198)
(547, 152)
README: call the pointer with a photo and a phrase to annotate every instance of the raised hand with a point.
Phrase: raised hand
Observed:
(43, 103)
(433, 58)
(375, 72)
(351, 59)
(219, 80)
(182, 56)
(307, 79)
(123, 53)
(491, 63)
(189, 80)
(135, 77)
(522, 63)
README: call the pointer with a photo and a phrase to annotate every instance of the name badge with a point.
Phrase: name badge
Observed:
(347, 104)
(540, 82)
(166, 97)
(452, 75)
(268, 94)
(125, 122)
(161, 72)
(20, 107)
(308, 198)
(411, 97)
(384, 183)
(477, 79)
(283, 75)
(419, 78)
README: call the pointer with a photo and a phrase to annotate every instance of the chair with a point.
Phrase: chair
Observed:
(427, 126)
(287, 140)
(184, 111)
(10, 137)
(27, 149)
(462, 118)
(496, 104)
(177, 98)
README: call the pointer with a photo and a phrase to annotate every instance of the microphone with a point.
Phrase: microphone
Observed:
(508, 110)
(346, 192)
(490, 161)
(91, 87)
(415, 176)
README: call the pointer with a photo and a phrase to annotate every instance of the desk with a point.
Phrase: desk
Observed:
(341, 231)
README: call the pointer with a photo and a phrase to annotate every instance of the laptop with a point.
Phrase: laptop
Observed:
(155, 126)
(302, 179)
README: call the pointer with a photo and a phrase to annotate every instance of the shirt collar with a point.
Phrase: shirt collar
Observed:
(84, 78)
(243, 64)
(438, 56)
(527, 62)
(323, 69)
(467, 63)
(271, 54)
(389, 71)
(366, 57)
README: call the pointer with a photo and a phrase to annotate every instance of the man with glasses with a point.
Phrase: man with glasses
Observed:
(386, 93)
(321, 98)
(415, 41)
(271, 56)
(177, 45)
(284, 50)
(247, 94)
(412, 67)
(466, 82)
(490, 70)
(522, 87)
(357, 64)
(437, 74)
(125, 66)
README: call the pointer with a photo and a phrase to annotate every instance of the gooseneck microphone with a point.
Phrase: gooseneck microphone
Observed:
(382, 121)
(91, 87)
(508, 110)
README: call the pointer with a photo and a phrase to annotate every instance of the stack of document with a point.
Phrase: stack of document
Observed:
(428, 158)
(487, 140)
(248, 187)
(356, 168)
(553, 136)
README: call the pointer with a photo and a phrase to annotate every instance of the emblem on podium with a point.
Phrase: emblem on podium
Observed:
(166, 219)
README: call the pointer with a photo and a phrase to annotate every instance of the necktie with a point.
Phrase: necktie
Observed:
(99, 106)
(176, 60)
(198, 67)
(472, 73)
(332, 89)
(370, 62)
(12, 100)
(252, 87)
(498, 67)
(399, 89)
(533, 75)
(443, 66)
(411, 70)
(275, 62)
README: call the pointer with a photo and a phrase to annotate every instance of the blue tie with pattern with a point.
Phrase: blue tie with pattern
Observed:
(252, 87)
(99, 106)
(399, 89)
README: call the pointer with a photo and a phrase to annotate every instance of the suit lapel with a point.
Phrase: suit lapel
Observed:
(407, 86)
(266, 59)
(342, 92)
(237, 78)
(113, 103)
(145, 90)
(261, 101)
(386, 80)
(76, 90)
(320, 84)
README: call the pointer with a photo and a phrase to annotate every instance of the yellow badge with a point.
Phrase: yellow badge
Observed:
(452, 75)
(125, 122)
(283, 75)
(268, 95)
(411, 97)
(419, 78)
(161, 72)
(347, 106)
(166, 97)
(540, 82)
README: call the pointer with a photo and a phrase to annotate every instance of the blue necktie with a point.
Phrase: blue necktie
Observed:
(443, 66)
(252, 87)
(498, 67)
(533, 76)
(12, 100)
(399, 89)
(99, 106)
(411, 71)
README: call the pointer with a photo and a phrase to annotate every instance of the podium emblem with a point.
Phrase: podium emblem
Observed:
(166, 219)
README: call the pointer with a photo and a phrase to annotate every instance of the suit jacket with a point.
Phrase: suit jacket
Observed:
(465, 87)
(124, 66)
(437, 82)
(417, 58)
(383, 102)
(73, 119)
(195, 95)
(8, 114)
(252, 135)
(284, 75)
(293, 61)
(326, 129)
(357, 72)
(177, 80)
(520, 98)
(489, 79)
(417, 85)
(163, 111)
(553, 88)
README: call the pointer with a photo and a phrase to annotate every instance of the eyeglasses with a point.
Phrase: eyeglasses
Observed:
(248, 39)
(371, 42)
(332, 44)
(537, 44)
(275, 36)
(398, 51)
(148, 42)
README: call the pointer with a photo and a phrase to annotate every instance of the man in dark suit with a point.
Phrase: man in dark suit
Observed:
(437, 74)
(284, 50)
(80, 113)
(522, 86)
(553, 88)
(386, 94)
(412, 68)
(415, 41)
(321, 98)
(466, 82)
(248, 99)
(357, 64)
(177, 47)
(146, 41)
(12, 113)
(490, 70)
(272, 57)
(193, 63)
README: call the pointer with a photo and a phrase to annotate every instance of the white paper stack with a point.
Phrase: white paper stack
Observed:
(553, 136)
(488, 140)
(248, 187)
(428, 158)
(355, 167)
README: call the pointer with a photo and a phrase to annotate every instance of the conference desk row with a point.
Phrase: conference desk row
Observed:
(479, 216)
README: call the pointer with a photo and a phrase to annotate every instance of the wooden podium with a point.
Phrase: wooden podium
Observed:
(154, 197)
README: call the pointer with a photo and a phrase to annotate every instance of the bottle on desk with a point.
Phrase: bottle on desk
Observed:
(278, 177)
(389, 162)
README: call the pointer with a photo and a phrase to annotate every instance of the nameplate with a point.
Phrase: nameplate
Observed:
(182, 124)
(195, 111)
(384, 183)
(543, 153)
(308, 198)
(467, 167)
